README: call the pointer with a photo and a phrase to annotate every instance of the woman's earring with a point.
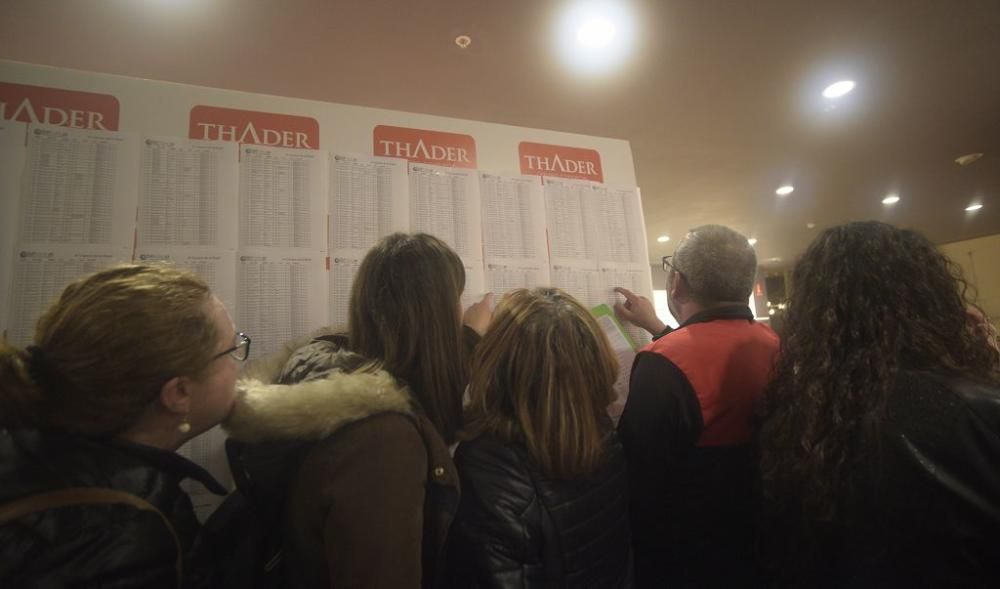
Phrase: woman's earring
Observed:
(185, 426)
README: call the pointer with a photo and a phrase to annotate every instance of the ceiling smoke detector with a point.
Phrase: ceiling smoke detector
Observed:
(463, 41)
(968, 159)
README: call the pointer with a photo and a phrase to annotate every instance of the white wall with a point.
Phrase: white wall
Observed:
(980, 262)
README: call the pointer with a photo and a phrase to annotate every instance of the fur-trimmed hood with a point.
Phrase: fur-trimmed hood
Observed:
(309, 391)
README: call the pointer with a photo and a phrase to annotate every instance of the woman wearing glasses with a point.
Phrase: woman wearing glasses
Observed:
(126, 366)
(348, 435)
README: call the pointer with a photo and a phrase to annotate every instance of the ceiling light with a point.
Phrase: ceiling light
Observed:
(663, 238)
(785, 190)
(811, 225)
(752, 241)
(463, 41)
(595, 36)
(968, 159)
(973, 208)
(890, 199)
(838, 89)
(596, 32)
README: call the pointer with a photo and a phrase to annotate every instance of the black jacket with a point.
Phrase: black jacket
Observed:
(928, 507)
(106, 546)
(687, 435)
(516, 529)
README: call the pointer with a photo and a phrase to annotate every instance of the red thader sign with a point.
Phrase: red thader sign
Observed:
(539, 159)
(55, 106)
(214, 123)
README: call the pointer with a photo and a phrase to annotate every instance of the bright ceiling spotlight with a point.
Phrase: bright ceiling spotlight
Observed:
(596, 33)
(752, 241)
(838, 89)
(785, 190)
(663, 238)
(891, 199)
(595, 36)
(973, 208)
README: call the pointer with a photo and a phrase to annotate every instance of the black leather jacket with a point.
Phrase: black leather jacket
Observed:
(514, 528)
(928, 512)
(91, 546)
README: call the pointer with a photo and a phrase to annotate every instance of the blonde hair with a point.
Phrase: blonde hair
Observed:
(543, 375)
(105, 348)
(405, 314)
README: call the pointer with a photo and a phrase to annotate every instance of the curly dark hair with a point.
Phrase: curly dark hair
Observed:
(869, 300)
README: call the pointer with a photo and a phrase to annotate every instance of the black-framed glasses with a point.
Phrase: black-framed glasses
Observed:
(240, 349)
(668, 265)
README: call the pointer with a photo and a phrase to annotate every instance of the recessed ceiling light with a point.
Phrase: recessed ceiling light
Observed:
(463, 41)
(974, 207)
(890, 199)
(838, 89)
(752, 241)
(811, 225)
(785, 190)
(663, 238)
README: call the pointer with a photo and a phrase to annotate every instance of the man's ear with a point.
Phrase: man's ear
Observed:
(175, 395)
(680, 291)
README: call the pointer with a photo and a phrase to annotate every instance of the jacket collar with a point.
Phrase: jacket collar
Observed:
(88, 460)
(171, 462)
(309, 392)
(719, 313)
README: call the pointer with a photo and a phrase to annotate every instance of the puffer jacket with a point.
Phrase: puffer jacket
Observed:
(95, 546)
(366, 485)
(516, 528)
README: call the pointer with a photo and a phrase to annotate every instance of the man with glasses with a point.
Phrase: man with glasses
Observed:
(686, 427)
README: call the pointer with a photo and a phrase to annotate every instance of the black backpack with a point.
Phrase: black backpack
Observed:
(241, 543)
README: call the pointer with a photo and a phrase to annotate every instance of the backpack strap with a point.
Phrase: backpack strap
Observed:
(31, 504)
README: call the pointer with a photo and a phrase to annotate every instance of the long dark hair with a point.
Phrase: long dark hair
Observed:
(868, 300)
(405, 313)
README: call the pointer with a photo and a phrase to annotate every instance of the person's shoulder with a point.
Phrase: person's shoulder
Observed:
(977, 396)
(497, 473)
(84, 541)
(488, 453)
(766, 332)
(385, 428)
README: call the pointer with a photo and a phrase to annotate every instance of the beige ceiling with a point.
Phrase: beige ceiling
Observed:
(720, 99)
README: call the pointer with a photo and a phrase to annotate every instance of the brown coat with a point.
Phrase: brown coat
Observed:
(376, 489)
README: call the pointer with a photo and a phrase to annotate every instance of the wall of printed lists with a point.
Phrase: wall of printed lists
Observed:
(274, 201)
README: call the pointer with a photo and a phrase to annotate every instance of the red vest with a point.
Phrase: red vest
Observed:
(728, 364)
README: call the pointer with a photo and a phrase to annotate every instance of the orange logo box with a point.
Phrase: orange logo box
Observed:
(55, 106)
(425, 147)
(539, 159)
(258, 128)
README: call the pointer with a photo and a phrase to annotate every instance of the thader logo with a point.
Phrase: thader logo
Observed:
(58, 107)
(258, 128)
(425, 147)
(539, 159)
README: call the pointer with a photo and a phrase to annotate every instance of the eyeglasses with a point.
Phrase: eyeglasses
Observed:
(668, 265)
(240, 351)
